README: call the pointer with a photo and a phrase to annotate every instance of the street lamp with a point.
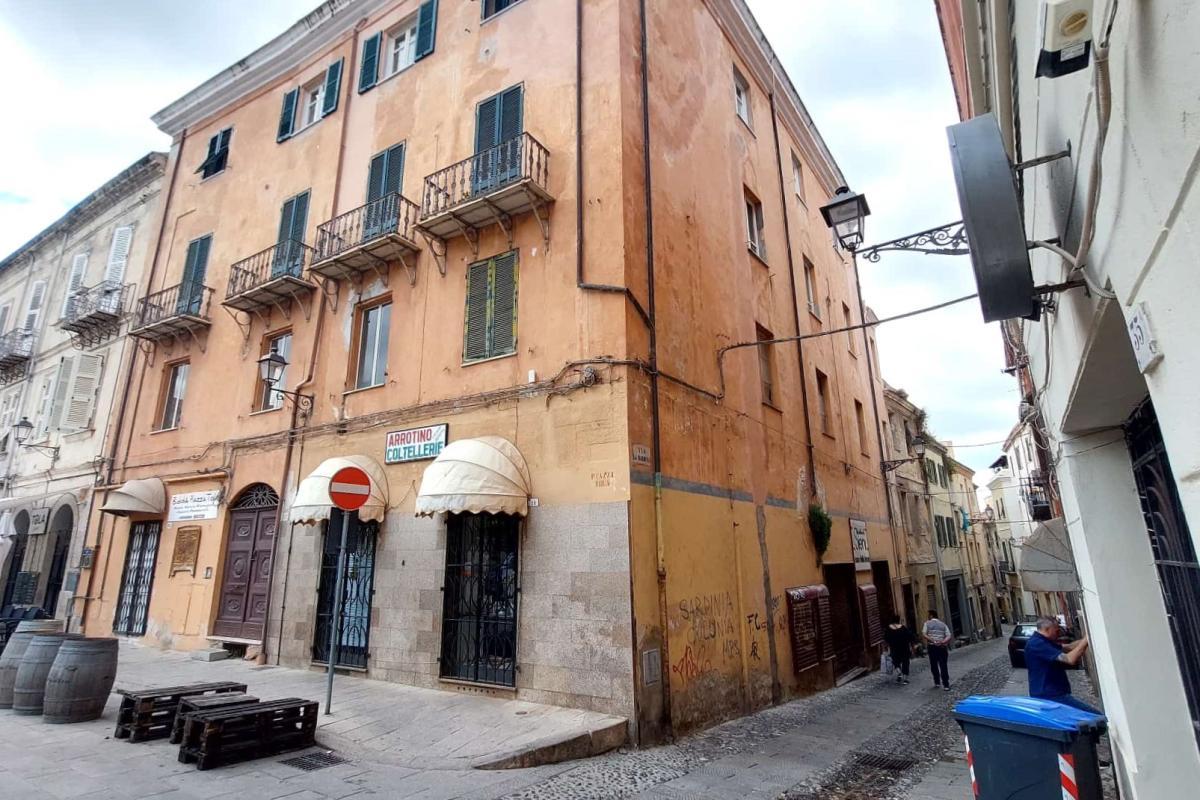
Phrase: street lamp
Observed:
(918, 446)
(23, 430)
(270, 369)
(845, 214)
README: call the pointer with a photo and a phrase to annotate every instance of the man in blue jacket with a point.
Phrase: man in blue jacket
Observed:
(1048, 663)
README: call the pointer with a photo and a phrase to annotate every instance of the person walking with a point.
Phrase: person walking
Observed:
(899, 640)
(937, 637)
(1047, 663)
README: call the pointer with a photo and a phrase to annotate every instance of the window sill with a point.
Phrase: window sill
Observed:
(772, 406)
(361, 389)
(746, 124)
(479, 684)
(489, 358)
(157, 431)
(265, 411)
(829, 436)
(757, 257)
(214, 176)
(816, 316)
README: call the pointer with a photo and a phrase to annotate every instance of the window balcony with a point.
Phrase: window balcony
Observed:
(16, 347)
(273, 277)
(178, 310)
(94, 315)
(367, 239)
(488, 188)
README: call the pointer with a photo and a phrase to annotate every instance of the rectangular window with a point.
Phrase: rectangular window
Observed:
(401, 47)
(312, 95)
(493, 7)
(490, 327)
(823, 406)
(741, 96)
(861, 416)
(798, 178)
(766, 365)
(499, 122)
(268, 395)
(310, 102)
(385, 175)
(754, 227)
(810, 288)
(941, 531)
(174, 388)
(371, 332)
(847, 321)
(218, 154)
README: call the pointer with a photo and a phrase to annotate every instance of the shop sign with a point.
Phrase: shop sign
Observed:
(415, 444)
(39, 519)
(194, 506)
(859, 545)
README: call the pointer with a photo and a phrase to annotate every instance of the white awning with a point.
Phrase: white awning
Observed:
(144, 496)
(487, 474)
(312, 501)
(1047, 564)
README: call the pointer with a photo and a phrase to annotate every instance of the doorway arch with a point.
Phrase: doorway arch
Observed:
(246, 572)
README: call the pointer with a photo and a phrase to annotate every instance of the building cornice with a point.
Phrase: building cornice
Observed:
(314, 33)
(739, 24)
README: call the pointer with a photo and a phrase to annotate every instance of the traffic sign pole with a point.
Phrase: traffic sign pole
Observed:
(349, 489)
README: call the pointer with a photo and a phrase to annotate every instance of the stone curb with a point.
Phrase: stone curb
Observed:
(552, 750)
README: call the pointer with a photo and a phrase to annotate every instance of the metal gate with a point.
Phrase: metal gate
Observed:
(355, 635)
(1171, 543)
(137, 579)
(479, 617)
(15, 558)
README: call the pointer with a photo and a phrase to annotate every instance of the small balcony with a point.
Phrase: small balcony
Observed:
(488, 188)
(178, 310)
(96, 308)
(16, 347)
(367, 239)
(273, 277)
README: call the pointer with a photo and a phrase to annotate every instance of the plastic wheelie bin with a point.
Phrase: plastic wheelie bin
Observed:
(1027, 749)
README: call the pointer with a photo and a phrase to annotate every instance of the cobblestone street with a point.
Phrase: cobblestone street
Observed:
(869, 739)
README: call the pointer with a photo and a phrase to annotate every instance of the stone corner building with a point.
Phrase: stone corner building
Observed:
(469, 232)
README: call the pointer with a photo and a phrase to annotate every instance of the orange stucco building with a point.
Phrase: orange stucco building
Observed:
(518, 235)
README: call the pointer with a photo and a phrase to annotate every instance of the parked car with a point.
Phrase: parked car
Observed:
(1020, 637)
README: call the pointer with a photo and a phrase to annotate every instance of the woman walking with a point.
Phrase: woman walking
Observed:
(899, 640)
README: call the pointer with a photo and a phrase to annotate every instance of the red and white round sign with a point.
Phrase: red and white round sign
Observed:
(349, 488)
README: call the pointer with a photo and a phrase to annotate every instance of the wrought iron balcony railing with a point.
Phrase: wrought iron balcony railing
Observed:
(16, 346)
(287, 259)
(174, 310)
(391, 214)
(102, 304)
(518, 159)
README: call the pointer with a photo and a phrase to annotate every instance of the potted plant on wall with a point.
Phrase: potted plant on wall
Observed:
(821, 526)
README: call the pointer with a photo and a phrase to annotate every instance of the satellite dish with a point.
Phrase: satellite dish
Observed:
(991, 216)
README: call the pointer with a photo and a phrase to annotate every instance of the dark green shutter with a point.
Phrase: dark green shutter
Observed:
(369, 72)
(191, 287)
(285, 220)
(213, 144)
(487, 124)
(504, 304)
(394, 174)
(475, 323)
(333, 87)
(375, 177)
(299, 217)
(426, 29)
(511, 114)
(287, 117)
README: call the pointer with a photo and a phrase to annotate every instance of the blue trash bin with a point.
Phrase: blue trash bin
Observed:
(1028, 749)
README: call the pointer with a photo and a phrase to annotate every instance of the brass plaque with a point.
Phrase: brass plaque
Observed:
(187, 550)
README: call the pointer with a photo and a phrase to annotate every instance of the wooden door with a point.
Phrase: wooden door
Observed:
(246, 578)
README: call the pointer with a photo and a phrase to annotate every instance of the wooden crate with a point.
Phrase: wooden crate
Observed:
(150, 713)
(207, 702)
(227, 736)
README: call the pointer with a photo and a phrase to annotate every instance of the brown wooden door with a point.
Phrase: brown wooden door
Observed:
(247, 574)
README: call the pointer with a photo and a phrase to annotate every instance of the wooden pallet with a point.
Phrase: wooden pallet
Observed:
(150, 713)
(207, 702)
(227, 736)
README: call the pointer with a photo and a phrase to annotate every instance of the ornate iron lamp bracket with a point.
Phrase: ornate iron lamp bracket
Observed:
(945, 240)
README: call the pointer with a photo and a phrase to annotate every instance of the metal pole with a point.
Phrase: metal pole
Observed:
(336, 635)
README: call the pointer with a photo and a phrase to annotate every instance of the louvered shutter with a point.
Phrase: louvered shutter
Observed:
(5, 311)
(62, 387)
(45, 400)
(118, 255)
(512, 114)
(504, 304)
(426, 29)
(369, 70)
(75, 281)
(33, 311)
(213, 147)
(394, 174)
(375, 177)
(475, 324)
(487, 124)
(285, 220)
(81, 401)
(299, 218)
(287, 117)
(191, 288)
(333, 87)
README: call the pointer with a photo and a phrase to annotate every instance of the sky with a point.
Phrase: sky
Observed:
(872, 73)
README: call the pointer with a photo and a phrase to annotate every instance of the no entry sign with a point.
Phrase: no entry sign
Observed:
(349, 488)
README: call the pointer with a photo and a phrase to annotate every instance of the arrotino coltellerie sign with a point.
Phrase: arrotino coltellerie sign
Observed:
(415, 444)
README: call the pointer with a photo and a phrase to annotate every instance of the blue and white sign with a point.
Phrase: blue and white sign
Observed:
(415, 444)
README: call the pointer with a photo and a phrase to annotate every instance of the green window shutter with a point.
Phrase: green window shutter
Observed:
(287, 117)
(375, 177)
(394, 173)
(197, 261)
(512, 114)
(475, 323)
(504, 304)
(285, 220)
(333, 87)
(369, 72)
(209, 159)
(487, 124)
(426, 29)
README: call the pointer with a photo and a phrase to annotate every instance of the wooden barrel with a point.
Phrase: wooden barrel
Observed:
(14, 651)
(29, 689)
(80, 680)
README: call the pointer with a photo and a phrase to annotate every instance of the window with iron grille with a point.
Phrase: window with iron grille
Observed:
(490, 323)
